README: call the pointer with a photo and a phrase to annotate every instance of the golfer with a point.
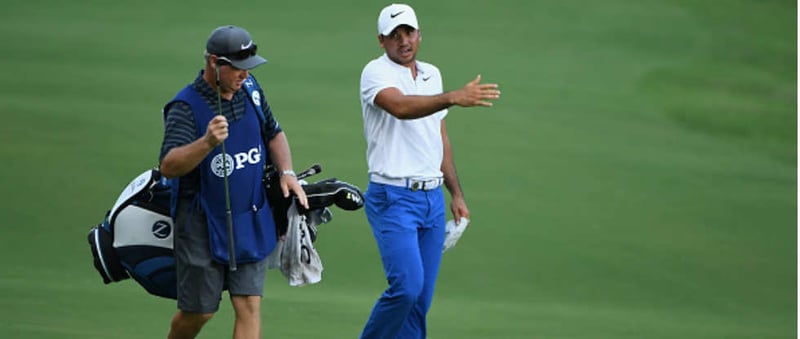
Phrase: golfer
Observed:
(409, 157)
(194, 129)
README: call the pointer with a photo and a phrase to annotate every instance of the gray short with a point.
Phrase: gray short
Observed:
(201, 280)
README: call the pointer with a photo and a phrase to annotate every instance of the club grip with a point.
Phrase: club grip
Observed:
(313, 170)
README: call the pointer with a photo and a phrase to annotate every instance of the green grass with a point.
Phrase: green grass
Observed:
(637, 179)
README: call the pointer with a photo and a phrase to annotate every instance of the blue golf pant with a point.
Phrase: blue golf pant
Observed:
(409, 229)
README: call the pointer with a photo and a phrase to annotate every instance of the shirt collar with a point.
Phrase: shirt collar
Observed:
(205, 90)
(399, 67)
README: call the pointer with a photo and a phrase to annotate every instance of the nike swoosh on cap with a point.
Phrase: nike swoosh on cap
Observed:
(396, 14)
(246, 46)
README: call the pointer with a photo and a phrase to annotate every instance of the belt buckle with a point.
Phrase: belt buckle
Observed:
(416, 185)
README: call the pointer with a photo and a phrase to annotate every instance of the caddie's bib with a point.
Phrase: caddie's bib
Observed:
(253, 225)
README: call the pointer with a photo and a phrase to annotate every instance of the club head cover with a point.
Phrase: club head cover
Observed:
(348, 197)
(329, 192)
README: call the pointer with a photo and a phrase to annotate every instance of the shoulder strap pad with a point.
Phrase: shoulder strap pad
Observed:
(255, 93)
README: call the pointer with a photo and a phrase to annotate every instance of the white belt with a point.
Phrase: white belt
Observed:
(414, 184)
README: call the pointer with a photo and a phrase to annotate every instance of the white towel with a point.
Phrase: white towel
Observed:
(453, 232)
(295, 255)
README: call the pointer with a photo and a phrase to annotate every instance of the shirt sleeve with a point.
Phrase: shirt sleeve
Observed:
(271, 127)
(179, 127)
(374, 80)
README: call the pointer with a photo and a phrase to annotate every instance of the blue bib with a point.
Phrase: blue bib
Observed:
(253, 225)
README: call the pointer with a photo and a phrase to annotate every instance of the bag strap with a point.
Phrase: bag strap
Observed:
(255, 93)
(141, 183)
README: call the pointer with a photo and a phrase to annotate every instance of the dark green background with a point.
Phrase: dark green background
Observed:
(637, 179)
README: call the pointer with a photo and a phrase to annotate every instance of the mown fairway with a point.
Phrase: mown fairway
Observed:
(637, 179)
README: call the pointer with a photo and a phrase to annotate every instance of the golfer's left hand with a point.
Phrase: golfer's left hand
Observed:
(459, 208)
(289, 182)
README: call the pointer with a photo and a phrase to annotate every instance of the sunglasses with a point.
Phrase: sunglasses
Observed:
(223, 61)
(241, 55)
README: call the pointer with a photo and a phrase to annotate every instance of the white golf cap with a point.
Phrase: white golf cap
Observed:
(395, 15)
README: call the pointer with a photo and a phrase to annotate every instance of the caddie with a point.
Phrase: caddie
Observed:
(211, 110)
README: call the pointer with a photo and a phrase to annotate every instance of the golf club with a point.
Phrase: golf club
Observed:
(313, 170)
(231, 245)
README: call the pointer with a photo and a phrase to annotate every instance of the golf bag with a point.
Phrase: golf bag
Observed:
(135, 239)
(136, 236)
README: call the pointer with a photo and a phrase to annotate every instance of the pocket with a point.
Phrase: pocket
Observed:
(253, 235)
(257, 243)
(376, 196)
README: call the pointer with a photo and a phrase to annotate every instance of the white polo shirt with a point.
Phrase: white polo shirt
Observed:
(401, 148)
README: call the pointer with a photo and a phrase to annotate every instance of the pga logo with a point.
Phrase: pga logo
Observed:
(237, 161)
